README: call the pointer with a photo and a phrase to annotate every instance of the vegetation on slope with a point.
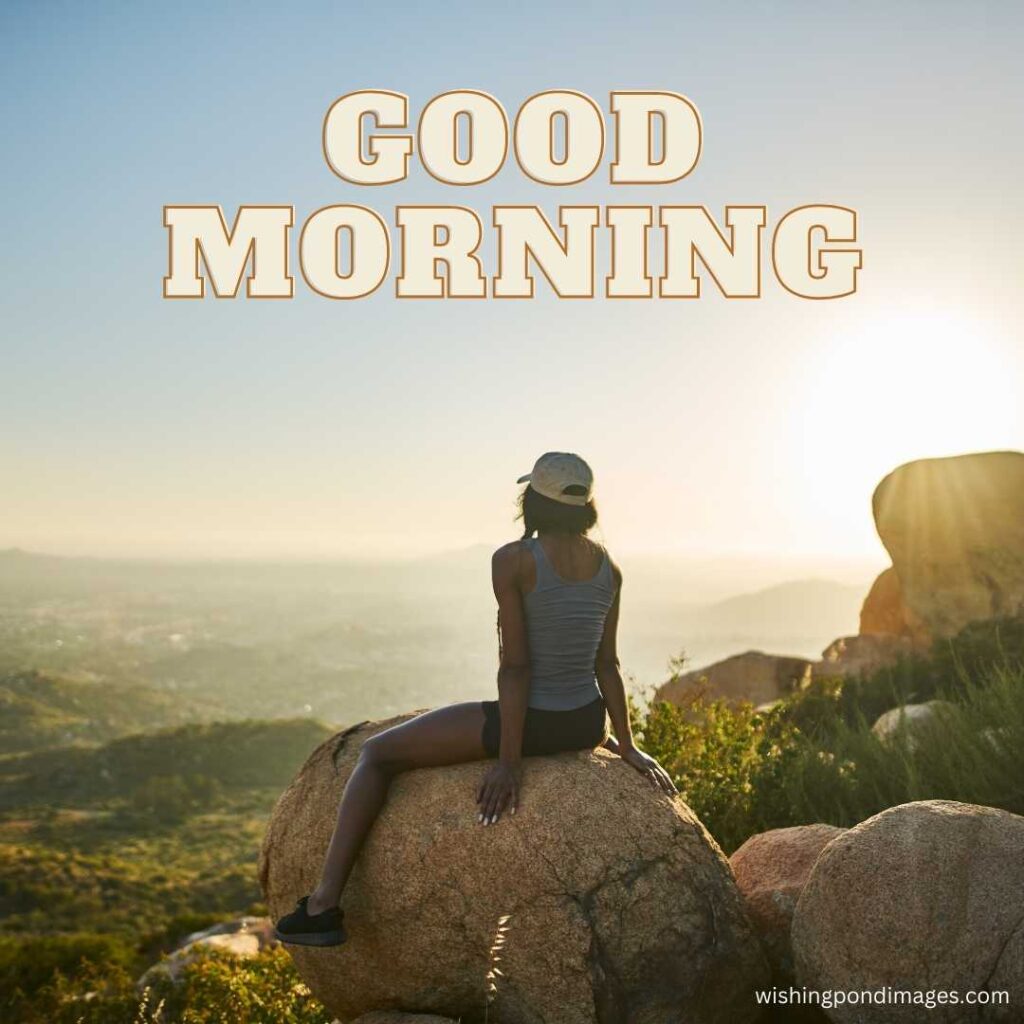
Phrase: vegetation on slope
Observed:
(221, 755)
(39, 710)
(109, 856)
(812, 757)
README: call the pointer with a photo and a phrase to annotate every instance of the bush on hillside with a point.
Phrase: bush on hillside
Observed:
(170, 799)
(975, 652)
(238, 755)
(39, 710)
(28, 963)
(137, 890)
(718, 756)
(215, 988)
(979, 648)
(813, 757)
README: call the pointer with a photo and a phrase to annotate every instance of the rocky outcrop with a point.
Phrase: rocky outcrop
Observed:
(754, 676)
(911, 720)
(884, 612)
(621, 908)
(923, 897)
(771, 870)
(852, 656)
(763, 679)
(954, 528)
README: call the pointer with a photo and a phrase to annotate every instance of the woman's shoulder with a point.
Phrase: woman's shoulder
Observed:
(510, 550)
(507, 557)
(612, 564)
(511, 565)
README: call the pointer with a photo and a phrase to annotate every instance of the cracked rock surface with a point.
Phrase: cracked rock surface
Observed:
(622, 909)
(926, 896)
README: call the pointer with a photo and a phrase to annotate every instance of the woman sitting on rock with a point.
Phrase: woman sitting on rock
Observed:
(558, 613)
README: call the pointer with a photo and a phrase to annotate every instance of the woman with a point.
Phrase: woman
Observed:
(558, 614)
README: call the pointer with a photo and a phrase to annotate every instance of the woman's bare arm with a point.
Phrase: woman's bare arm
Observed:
(514, 667)
(609, 675)
(609, 682)
(500, 788)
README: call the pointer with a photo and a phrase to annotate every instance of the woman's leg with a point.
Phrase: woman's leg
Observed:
(448, 735)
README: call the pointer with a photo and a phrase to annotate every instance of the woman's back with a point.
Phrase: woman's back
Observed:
(565, 622)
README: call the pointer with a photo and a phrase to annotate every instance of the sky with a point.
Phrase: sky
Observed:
(131, 425)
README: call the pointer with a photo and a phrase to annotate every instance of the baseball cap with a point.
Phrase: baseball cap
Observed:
(562, 477)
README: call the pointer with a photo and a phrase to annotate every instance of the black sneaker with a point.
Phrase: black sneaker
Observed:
(301, 928)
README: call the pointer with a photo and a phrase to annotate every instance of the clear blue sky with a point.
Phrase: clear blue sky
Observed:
(130, 424)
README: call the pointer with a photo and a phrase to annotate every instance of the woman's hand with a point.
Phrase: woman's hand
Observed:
(646, 765)
(498, 791)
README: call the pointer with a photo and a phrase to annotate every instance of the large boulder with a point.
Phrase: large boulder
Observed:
(771, 870)
(754, 676)
(621, 908)
(954, 528)
(923, 897)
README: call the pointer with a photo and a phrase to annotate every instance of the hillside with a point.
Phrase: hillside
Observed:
(801, 610)
(41, 710)
(147, 836)
(223, 755)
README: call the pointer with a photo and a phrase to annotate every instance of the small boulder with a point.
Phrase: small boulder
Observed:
(260, 929)
(926, 896)
(619, 905)
(244, 937)
(771, 870)
(912, 720)
(754, 676)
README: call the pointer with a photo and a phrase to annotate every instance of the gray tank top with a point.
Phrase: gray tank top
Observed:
(564, 626)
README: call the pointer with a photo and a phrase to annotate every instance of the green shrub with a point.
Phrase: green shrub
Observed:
(39, 710)
(238, 755)
(718, 756)
(218, 989)
(132, 882)
(170, 799)
(215, 988)
(977, 651)
(969, 752)
(979, 648)
(812, 757)
(28, 963)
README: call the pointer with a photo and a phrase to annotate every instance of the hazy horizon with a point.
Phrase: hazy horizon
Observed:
(373, 638)
(697, 577)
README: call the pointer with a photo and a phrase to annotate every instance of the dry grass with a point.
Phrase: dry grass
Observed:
(494, 958)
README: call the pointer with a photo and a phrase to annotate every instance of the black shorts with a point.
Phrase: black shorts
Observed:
(549, 732)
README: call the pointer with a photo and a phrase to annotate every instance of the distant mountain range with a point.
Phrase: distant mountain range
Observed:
(801, 606)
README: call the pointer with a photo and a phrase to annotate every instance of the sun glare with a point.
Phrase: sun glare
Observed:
(913, 386)
(902, 387)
